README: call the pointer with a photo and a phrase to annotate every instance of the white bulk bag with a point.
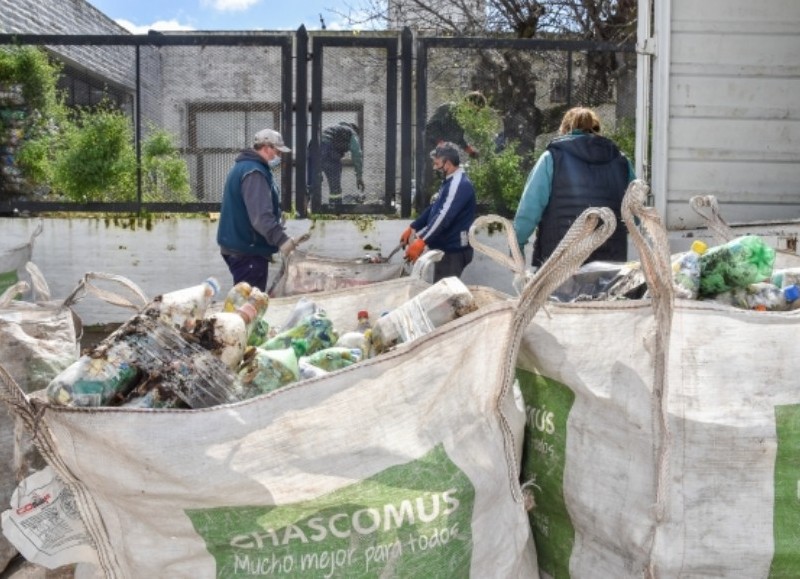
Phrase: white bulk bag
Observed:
(404, 465)
(662, 435)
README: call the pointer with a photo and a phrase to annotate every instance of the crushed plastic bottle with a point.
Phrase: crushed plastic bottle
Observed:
(735, 264)
(762, 296)
(334, 358)
(143, 355)
(316, 329)
(786, 277)
(263, 370)
(686, 271)
(444, 301)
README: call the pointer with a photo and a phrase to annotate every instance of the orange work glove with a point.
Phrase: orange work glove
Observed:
(405, 238)
(415, 250)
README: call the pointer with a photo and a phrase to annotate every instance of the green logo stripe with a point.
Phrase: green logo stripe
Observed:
(786, 517)
(7, 279)
(412, 520)
(548, 404)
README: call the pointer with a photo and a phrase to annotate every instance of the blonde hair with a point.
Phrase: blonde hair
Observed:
(580, 119)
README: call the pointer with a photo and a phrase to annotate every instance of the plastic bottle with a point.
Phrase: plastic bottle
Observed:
(363, 321)
(141, 355)
(302, 309)
(360, 337)
(237, 296)
(226, 334)
(263, 370)
(768, 297)
(786, 277)
(316, 329)
(334, 358)
(444, 301)
(686, 271)
(762, 296)
(735, 264)
(185, 307)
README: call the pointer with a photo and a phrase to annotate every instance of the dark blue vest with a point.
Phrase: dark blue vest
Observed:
(588, 171)
(235, 232)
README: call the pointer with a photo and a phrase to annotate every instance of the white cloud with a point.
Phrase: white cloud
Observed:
(158, 25)
(230, 5)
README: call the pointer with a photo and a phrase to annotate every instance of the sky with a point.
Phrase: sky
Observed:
(139, 16)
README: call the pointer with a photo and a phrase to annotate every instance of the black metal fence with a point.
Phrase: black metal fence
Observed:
(211, 92)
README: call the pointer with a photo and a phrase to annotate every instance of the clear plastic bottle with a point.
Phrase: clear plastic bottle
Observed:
(142, 355)
(786, 277)
(263, 370)
(363, 321)
(768, 297)
(237, 296)
(444, 301)
(185, 307)
(316, 329)
(686, 271)
(735, 264)
(762, 296)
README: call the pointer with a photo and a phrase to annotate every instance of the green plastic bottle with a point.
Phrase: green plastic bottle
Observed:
(735, 264)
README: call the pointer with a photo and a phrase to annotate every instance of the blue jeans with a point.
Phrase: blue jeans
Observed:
(250, 268)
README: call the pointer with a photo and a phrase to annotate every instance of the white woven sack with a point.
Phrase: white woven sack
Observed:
(39, 339)
(662, 435)
(304, 273)
(404, 465)
(13, 260)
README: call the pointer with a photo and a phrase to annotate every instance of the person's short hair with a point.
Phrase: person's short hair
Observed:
(580, 119)
(447, 151)
(271, 138)
(353, 126)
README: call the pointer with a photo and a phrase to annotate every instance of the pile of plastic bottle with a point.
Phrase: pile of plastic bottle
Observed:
(181, 353)
(739, 273)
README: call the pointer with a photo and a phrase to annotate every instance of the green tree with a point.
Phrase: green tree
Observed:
(165, 176)
(96, 160)
(498, 172)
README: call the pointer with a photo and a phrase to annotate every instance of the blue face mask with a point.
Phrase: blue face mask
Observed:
(274, 162)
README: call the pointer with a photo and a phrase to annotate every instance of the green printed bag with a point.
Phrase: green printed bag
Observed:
(662, 436)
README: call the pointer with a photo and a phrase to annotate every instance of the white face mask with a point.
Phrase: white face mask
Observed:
(274, 162)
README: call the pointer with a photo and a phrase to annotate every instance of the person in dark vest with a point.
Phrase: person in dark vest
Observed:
(250, 229)
(336, 142)
(579, 169)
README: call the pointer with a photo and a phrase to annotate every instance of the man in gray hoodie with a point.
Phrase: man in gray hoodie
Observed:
(250, 230)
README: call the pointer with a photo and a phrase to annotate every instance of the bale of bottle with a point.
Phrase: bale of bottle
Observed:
(739, 273)
(185, 350)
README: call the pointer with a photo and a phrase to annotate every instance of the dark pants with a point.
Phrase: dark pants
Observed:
(250, 268)
(330, 165)
(452, 264)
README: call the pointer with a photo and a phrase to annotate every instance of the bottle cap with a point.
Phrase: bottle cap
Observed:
(213, 284)
(791, 293)
(699, 247)
(363, 314)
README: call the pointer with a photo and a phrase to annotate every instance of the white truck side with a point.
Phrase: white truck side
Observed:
(725, 108)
